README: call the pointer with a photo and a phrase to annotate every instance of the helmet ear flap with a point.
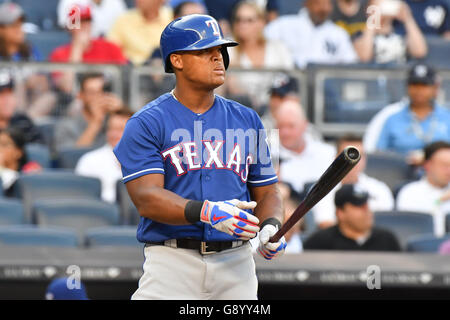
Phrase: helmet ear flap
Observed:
(225, 56)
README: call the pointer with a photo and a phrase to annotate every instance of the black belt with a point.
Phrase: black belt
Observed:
(204, 247)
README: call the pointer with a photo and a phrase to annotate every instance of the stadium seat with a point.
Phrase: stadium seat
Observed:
(390, 168)
(76, 214)
(29, 235)
(46, 41)
(289, 6)
(11, 212)
(47, 130)
(43, 16)
(447, 223)
(67, 158)
(112, 236)
(54, 184)
(426, 243)
(438, 52)
(39, 153)
(128, 211)
(405, 224)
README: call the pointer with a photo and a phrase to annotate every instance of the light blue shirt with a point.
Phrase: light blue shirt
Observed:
(404, 132)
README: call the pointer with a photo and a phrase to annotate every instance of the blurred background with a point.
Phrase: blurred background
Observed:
(322, 75)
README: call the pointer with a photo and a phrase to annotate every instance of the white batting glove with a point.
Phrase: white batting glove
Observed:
(270, 250)
(229, 217)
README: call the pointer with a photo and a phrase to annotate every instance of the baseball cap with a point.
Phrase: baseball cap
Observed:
(6, 80)
(283, 84)
(10, 12)
(421, 73)
(59, 289)
(350, 193)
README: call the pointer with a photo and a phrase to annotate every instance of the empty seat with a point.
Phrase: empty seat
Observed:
(39, 153)
(11, 212)
(128, 211)
(29, 235)
(68, 157)
(438, 52)
(427, 243)
(112, 236)
(44, 16)
(388, 167)
(405, 224)
(46, 41)
(76, 214)
(55, 184)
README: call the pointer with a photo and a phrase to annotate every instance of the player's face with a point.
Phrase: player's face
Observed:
(204, 68)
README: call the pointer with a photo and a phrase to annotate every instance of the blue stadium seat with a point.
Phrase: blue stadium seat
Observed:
(289, 6)
(76, 214)
(447, 223)
(128, 211)
(438, 52)
(426, 243)
(46, 41)
(29, 235)
(112, 236)
(39, 153)
(55, 184)
(405, 224)
(388, 167)
(11, 212)
(47, 130)
(44, 16)
(67, 158)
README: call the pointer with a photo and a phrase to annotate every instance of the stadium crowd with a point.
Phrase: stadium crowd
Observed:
(51, 114)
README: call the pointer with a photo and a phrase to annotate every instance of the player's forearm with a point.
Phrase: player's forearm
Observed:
(269, 203)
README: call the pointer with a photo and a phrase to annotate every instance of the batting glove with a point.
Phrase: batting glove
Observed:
(229, 217)
(270, 250)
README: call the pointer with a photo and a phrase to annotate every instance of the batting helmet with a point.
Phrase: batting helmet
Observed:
(193, 32)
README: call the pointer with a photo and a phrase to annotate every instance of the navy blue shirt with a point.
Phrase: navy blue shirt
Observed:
(213, 156)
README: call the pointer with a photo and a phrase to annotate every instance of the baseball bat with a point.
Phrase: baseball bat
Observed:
(338, 169)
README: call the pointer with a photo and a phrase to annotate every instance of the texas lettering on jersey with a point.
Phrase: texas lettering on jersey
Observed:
(185, 156)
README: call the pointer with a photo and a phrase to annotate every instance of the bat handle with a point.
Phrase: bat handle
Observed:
(277, 236)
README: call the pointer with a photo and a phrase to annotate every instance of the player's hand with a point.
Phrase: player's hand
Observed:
(270, 250)
(229, 217)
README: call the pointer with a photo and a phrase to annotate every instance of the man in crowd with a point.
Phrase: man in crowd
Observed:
(354, 229)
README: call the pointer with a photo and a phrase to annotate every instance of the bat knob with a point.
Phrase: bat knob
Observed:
(352, 153)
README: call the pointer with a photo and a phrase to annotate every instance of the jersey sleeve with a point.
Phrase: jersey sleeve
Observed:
(261, 171)
(138, 151)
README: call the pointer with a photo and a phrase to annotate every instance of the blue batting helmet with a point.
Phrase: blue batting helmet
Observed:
(193, 32)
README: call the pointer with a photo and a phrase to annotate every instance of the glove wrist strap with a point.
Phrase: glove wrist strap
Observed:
(272, 221)
(192, 211)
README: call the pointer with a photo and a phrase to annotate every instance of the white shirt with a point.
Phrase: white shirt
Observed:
(421, 196)
(101, 163)
(300, 168)
(104, 14)
(326, 43)
(381, 199)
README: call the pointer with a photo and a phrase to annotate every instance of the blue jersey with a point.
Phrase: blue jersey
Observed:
(213, 156)
(402, 132)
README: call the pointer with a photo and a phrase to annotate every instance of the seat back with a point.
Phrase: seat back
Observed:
(388, 167)
(112, 236)
(67, 158)
(11, 212)
(427, 243)
(30, 235)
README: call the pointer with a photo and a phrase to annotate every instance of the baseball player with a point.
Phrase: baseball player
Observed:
(198, 169)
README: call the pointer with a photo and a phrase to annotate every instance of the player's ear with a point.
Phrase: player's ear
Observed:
(176, 61)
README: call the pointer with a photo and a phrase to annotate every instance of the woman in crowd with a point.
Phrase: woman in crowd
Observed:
(254, 52)
(13, 158)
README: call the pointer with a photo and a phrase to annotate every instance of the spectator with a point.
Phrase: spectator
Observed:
(431, 194)
(9, 114)
(102, 163)
(137, 32)
(83, 47)
(254, 52)
(312, 37)
(380, 44)
(381, 198)
(407, 127)
(304, 158)
(354, 229)
(87, 127)
(13, 158)
(432, 16)
(65, 289)
(350, 15)
(104, 13)
(13, 45)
